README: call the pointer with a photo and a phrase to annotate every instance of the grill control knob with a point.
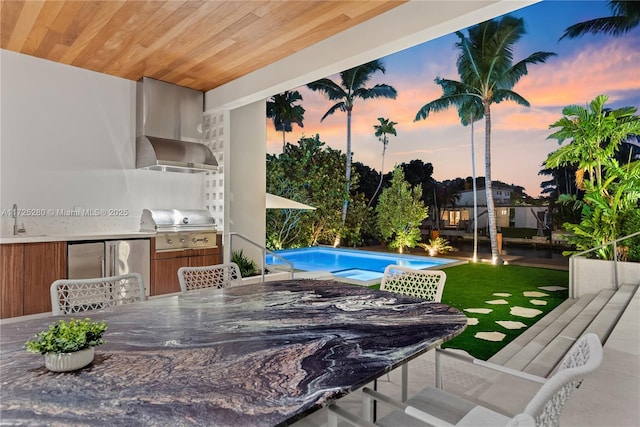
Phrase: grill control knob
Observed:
(181, 240)
(169, 241)
(206, 240)
(185, 220)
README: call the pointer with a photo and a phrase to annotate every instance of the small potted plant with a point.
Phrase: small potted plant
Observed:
(68, 345)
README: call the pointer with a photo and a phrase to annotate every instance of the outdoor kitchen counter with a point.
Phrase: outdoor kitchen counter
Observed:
(258, 355)
(26, 238)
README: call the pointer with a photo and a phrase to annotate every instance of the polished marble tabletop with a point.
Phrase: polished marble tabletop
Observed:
(254, 355)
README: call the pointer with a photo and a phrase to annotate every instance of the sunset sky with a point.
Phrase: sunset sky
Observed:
(583, 68)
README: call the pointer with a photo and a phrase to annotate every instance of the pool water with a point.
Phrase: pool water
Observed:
(354, 266)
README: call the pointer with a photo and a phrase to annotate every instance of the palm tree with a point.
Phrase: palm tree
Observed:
(596, 134)
(487, 72)
(352, 87)
(385, 128)
(470, 110)
(626, 16)
(284, 113)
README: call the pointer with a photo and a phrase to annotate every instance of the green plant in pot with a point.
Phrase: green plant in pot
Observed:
(68, 345)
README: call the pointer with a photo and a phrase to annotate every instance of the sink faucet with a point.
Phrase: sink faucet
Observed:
(17, 230)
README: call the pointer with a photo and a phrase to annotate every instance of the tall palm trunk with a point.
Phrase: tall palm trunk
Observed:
(348, 177)
(475, 197)
(491, 210)
(384, 149)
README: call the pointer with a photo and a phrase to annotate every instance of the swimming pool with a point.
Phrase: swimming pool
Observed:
(350, 265)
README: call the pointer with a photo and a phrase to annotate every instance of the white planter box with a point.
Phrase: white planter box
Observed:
(589, 276)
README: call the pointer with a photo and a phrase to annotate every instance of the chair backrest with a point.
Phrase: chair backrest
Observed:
(211, 276)
(583, 358)
(426, 284)
(77, 295)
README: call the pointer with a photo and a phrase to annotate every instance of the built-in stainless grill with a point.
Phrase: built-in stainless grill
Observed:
(179, 229)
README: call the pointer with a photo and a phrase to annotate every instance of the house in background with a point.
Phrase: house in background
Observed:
(458, 220)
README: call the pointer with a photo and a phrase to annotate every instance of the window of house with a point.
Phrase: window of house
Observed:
(454, 217)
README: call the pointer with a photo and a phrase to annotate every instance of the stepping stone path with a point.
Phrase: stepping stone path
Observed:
(490, 336)
(509, 324)
(514, 311)
(534, 294)
(524, 312)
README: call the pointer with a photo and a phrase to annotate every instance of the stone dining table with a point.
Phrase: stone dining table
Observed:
(254, 355)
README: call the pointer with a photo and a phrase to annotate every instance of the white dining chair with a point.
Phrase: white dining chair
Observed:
(436, 407)
(211, 276)
(425, 284)
(70, 296)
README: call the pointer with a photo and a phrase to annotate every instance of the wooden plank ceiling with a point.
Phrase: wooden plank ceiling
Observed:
(193, 43)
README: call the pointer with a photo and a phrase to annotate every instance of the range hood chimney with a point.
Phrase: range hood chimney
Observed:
(169, 128)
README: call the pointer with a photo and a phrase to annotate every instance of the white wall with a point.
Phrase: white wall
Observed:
(525, 218)
(67, 139)
(245, 177)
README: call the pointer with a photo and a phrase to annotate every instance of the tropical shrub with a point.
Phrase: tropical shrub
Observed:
(400, 212)
(610, 189)
(629, 224)
(311, 173)
(246, 265)
(436, 246)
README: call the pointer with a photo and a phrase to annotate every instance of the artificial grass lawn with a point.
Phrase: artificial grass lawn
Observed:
(471, 285)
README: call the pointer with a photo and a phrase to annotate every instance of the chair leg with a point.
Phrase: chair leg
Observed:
(438, 370)
(404, 382)
(332, 419)
(367, 406)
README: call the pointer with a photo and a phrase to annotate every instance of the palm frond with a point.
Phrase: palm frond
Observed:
(441, 104)
(328, 87)
(500, 95)
(625, 17)
(512, 76)
(378, 91)
(339, 106)
(357, 77)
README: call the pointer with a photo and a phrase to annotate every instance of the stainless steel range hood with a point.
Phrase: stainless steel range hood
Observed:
(169, 128)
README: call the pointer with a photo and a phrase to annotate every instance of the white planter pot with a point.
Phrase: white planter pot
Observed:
(66, 362)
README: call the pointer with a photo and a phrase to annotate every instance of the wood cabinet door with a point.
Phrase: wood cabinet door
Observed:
(11, 280)
(44, 263)
(164, 275)
(202, 261)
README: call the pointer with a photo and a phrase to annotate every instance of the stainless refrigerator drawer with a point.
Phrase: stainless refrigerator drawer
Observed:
(85, 260)
(129, 256)
(109, 258)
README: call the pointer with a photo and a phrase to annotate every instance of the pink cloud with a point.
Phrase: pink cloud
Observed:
(517, 132)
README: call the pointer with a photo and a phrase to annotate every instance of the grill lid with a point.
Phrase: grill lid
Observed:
(176, 220)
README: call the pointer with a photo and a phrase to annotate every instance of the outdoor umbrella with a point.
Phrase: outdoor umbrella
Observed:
(277, 202)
